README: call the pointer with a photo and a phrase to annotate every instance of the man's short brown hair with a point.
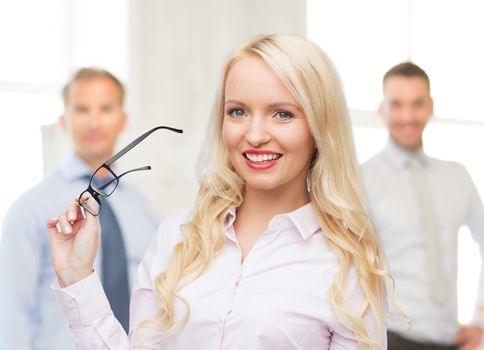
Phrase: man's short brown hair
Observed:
(407, 69)
(91, 73)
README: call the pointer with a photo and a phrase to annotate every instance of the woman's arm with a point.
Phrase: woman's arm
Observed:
(85, 304)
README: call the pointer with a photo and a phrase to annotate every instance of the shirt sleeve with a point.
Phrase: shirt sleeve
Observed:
(342, 337)
(90, 318)
(94, 325)
(475, 222)
(20, 255)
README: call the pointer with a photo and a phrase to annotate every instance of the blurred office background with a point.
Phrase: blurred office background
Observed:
(169, 54)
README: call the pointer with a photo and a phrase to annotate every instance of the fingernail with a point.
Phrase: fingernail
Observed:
(70, 216)
(67, 229)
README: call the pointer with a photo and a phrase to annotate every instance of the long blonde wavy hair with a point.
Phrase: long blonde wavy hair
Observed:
(336, 190)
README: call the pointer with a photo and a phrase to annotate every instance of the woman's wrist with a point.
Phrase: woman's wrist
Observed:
(67, 278)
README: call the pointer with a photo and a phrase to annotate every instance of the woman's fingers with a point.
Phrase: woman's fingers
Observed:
(91, 220)
(72, 221)
(75, 241)
(65, 225)
(52, 227)
(52, 224)
(74, 213)
(66, 220)
(55, 233)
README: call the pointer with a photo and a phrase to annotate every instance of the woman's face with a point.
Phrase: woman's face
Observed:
(264, 129)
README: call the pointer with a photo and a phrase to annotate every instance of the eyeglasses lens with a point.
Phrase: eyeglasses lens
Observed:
(104, 182)
(89, 203)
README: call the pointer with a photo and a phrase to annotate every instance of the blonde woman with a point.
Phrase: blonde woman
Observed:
(278, 252)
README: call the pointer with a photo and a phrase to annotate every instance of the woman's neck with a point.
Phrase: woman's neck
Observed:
(263, 205)
(258, 208)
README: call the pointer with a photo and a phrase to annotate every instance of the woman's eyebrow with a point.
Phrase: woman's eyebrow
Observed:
(285, 104)
(235, 102)
(271, 105)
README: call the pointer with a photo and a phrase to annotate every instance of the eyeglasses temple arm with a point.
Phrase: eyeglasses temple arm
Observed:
(136, 169)
(136, 141)
(126, 172)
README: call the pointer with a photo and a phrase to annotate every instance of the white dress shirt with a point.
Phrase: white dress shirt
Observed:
(455, 203)
(30, 319)
(276, 299)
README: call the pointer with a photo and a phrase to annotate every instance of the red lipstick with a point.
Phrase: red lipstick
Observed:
(252, 162)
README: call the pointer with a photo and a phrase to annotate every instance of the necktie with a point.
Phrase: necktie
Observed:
(114, 264)
(429, 228)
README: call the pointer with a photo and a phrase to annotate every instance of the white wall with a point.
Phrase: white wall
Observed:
(176, 50)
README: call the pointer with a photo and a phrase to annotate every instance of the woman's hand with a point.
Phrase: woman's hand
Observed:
(74, 244)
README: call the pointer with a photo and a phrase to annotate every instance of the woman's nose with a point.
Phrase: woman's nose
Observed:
(258, 132)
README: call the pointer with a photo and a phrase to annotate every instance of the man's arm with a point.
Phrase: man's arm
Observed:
(470, 336)
(20, 253)
(475, 223)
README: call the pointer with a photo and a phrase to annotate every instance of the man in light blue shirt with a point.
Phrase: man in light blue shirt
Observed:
(30, 318)
(419, 205)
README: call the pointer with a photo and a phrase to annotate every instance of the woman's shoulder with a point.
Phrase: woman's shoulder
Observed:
(168, 235)
(170, 228)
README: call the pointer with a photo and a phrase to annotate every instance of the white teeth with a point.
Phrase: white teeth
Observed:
(261, 157)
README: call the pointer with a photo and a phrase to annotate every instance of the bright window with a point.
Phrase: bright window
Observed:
(365, 38)
(43, 42)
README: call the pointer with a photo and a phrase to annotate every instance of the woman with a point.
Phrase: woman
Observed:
(278, 252)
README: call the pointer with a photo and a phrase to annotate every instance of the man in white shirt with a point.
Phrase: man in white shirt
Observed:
(419, 205)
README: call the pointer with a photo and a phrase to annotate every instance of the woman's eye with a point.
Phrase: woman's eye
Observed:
(236, 112)
(283, 115)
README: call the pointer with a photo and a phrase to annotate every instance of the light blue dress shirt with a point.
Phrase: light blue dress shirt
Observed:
(395, 204)
(30, 318)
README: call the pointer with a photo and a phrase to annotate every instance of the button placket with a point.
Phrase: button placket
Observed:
(235, 286)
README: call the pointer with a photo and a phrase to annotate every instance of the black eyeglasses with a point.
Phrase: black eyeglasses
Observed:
(104, 180)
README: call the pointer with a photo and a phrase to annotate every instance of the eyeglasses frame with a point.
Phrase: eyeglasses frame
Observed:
(95, 194)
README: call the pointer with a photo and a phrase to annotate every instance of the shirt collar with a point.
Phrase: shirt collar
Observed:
(74, 168)
(305, 220)
(400, 157)
(302, 219)
(230, 217)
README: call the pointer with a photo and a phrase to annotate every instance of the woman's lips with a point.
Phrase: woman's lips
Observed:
(261, 159)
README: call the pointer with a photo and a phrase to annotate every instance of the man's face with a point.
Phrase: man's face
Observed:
(406, 108)
(94, 118)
